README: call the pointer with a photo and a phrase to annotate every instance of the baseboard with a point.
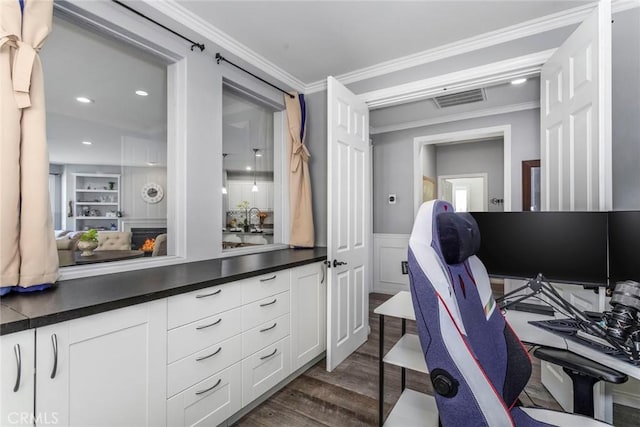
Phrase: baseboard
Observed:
(626, 398)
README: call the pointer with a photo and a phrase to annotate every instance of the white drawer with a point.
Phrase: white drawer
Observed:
(186, 308)
(192, 369)
(263, 310)
(266, 285)
(209, 402)
(265, 334)
(188, 339)
(265, 369)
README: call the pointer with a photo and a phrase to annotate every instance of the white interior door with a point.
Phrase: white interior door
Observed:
(575, 117)
(349, 224)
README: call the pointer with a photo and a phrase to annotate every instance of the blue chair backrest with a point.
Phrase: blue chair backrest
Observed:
(478, 361)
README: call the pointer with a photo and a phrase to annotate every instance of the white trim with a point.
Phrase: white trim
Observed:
(626, 398)
(482, 41)
(281, 177)
(485, 185)
(98, 269)
(471, 78)
(504, 109)
(469, 134)
(189, 19)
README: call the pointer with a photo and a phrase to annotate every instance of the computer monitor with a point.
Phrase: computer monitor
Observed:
(624, 246)
(568, 247)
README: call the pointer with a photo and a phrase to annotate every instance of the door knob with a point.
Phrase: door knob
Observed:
(337, 263)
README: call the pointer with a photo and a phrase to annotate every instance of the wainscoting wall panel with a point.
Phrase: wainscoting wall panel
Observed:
(389, 250)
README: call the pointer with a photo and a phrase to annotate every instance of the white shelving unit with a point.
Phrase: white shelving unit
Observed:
(413, 408)
(96, 201)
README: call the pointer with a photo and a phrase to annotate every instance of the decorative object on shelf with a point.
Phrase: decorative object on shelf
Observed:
(88, 242)
(245, 205)
(111, 185)
(152, 193)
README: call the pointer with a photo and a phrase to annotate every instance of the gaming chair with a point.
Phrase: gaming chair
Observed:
(477, 364)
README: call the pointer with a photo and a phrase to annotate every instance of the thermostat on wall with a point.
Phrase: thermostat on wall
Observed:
(392, 199)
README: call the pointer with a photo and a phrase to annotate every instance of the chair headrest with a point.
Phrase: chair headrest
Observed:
(459, 236)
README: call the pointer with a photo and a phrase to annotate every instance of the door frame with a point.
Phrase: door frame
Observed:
(485, 184)
(465, 136)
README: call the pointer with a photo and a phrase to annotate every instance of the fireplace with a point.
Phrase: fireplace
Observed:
(140, 234)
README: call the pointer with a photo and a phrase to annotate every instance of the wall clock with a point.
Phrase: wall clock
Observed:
(152, 192)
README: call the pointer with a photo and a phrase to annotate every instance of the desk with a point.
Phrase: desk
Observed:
(413, 408)
(105, 256)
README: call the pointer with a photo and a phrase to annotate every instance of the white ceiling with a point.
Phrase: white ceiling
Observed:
(308, 39)
(315, 39)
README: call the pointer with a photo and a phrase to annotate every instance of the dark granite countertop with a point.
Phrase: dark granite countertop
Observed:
(71, 299)
(12, 321)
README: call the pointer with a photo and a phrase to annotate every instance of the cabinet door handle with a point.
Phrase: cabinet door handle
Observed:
(269, 303)
(210, 388)
(268, 278)
(16, 350)
(208, 295)
(199, 359)
(54, 343)
(209, 325)
(269, 355)
(322, 269)
(269, 328)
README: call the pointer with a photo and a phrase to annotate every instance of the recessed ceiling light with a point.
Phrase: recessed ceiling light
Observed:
(142, 93)
(84, 100)
(248, 168)
(518, 81)
(258, 154)
(87, 142)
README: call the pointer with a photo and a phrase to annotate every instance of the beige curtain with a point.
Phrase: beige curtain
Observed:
(28, 254)
(299, 179)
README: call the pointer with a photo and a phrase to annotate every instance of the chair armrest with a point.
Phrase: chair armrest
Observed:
(574, 362)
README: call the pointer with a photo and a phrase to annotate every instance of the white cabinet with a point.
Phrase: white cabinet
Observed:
(239, 191)
(308, 313)
(96, 201)
(17, 379)
(108, 369)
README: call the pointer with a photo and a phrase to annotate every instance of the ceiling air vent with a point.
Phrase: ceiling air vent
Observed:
(460, 98)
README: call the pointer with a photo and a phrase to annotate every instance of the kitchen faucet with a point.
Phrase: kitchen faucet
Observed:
(249, 214)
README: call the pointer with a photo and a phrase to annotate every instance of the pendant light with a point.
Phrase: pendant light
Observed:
(224, 187)
(254, 189)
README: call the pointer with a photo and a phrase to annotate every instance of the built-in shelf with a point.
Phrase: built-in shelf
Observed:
(93, 214)
(407, 353)
(413, 409)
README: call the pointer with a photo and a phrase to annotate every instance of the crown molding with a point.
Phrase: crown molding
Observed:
(622, 5)
(471, 78)
(512, 108)
(183, 16)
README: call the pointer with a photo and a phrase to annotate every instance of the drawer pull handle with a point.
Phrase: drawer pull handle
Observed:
(208, 295)
(269, 328)
(209, 325)
(16, 349)
(269, 303)
(54, 344)
(210, 388)
(268, 278)
(199, 359)
(269, 355)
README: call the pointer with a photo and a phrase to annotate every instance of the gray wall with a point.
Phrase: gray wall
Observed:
(317, 145)
(626, 109)
(393, 164)
(475, 157)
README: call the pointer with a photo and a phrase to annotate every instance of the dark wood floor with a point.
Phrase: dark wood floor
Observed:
(348, 396)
